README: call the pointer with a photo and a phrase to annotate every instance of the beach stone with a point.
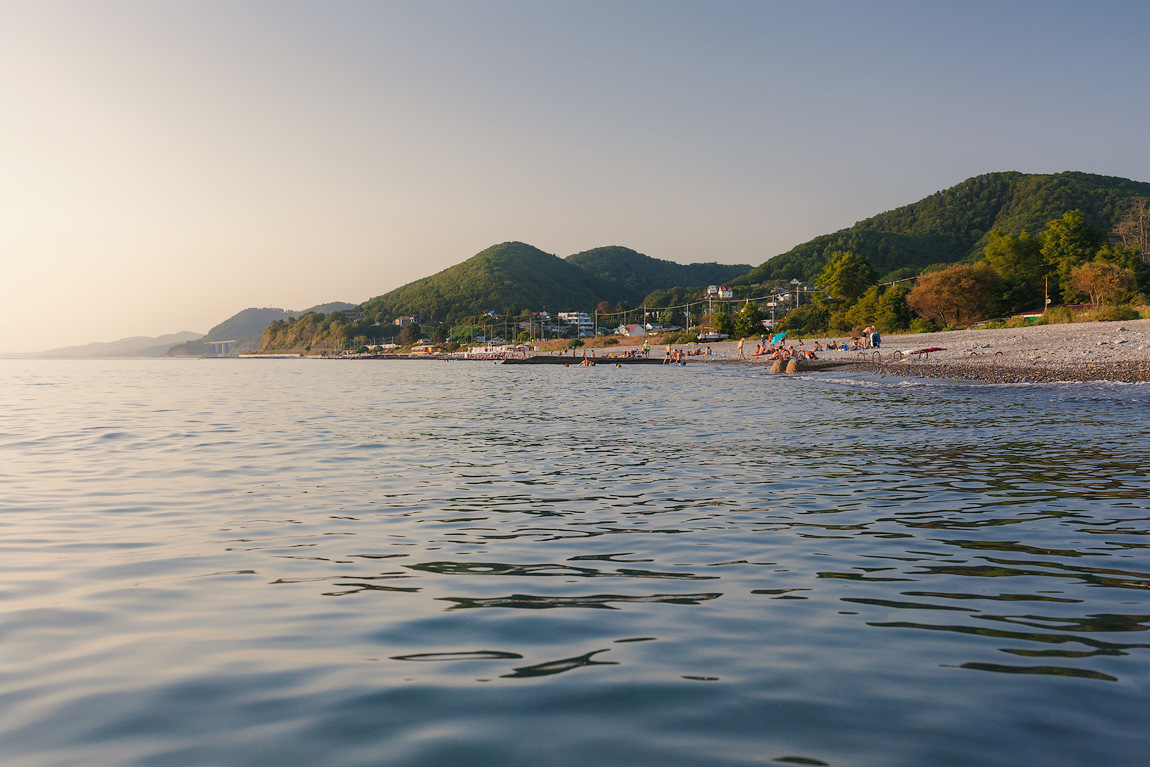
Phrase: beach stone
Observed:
(793, 366)
(777, 366)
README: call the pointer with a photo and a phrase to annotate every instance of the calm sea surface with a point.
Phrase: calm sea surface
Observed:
(415, 563)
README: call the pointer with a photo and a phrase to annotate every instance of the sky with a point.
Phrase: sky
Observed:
(165, 165)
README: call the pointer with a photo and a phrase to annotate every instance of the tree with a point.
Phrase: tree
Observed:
(1128, 257)
(1102, 281)
(1133, 229)
(847, 276)
(667, 318)
(1016, 254)
(410, 334)
(720, 322)
(1068, 242)
(893, 312)
(882, 306)
(808, 318)
(748, 321)
(1013, 293)
(957, 295)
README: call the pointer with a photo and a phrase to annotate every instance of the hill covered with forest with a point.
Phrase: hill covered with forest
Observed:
(954, 224)
(513, 276)
(504, 278)
(626, 275)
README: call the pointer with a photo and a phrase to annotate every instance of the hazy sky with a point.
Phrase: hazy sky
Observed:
(166, 164)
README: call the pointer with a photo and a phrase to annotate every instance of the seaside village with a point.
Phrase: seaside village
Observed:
(570, 330)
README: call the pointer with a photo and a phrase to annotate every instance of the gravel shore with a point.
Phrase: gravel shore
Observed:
(1083, 351)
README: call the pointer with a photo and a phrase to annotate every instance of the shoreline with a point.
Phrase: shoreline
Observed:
(1086, 351)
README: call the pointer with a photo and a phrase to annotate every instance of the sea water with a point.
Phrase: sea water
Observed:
(233, 562)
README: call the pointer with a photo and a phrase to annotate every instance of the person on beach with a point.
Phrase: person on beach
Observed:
(741, 355)
(646, 348)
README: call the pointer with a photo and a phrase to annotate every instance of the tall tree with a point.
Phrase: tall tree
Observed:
(1102, 281)
(1068, 242)
(1021, 255)
(748, 321)
(957, 295)
(847, 276)
(1133, 229)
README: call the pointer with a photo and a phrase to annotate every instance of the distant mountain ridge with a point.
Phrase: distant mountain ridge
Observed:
(952, 225)
(245, 327)
(133, 346)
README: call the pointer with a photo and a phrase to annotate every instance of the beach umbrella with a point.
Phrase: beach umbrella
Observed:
(778, 337)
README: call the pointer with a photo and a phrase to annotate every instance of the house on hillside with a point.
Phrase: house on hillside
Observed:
(407, 319)
(631, 330)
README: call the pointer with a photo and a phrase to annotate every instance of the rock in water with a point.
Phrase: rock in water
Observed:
(793, 366)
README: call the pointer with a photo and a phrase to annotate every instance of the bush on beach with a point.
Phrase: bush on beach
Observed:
(1115, 313)
(1057, 315)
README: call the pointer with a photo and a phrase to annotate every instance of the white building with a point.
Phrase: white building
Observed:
(581, 320)
(631, 330)
(726, 291)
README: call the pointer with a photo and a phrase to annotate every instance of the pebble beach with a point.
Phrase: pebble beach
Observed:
(1083, 351)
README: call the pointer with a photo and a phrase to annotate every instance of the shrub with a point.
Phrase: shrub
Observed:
(924, 325)
(610, 341)
(1114, 313)
(1019, 322)
(574, 343)
(1058, 315)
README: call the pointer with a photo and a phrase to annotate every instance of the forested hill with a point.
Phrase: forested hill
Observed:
(505, 277)
(952, 225)
(627, 275)
(513, 276)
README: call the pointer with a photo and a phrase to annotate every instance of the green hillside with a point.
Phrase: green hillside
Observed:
(952, 225)
(506, 277)
(627, 275)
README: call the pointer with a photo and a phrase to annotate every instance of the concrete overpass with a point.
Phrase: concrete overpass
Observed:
(221, 348)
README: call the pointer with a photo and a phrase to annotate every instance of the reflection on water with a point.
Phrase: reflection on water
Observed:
(399, 563)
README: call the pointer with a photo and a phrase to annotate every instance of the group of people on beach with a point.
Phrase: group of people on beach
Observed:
(671, 355)
(766, 349)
